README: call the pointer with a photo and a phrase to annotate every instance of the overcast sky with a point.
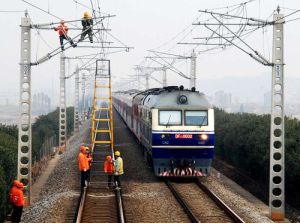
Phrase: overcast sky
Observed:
(144, 25)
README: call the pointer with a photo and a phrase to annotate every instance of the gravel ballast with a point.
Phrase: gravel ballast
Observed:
(62, 189)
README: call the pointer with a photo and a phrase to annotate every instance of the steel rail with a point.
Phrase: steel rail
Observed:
(183, 204)
(120, 205)
(80, 206)
(220, 203)
(82, 197)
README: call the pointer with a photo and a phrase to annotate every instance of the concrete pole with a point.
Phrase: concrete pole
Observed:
(147, 80)
(76, 104)
(83, 96)
(139, 81)
(277, 178)
(193, 69)
(164, 81)
(24, 138)
(62, 104)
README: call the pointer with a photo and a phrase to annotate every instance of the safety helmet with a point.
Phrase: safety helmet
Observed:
(86, 14)
(20, 185)
(62, 21)
(87, 148)
(16, 182)
(117, 153)
(108, 158)
(82, 148)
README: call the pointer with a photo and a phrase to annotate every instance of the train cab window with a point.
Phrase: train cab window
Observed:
(170, 117)
(196, 118)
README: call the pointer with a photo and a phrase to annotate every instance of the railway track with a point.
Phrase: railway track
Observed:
(98, 203)
(200, 204)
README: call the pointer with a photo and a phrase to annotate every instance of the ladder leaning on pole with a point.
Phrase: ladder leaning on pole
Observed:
(102, 117)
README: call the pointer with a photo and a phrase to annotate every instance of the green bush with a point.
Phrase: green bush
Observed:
(243, 140)
(45, 127)
(8, 164)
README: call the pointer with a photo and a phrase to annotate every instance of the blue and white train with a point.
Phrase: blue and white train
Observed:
(175, 127)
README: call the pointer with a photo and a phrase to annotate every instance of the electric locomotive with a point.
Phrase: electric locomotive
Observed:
(175, 127)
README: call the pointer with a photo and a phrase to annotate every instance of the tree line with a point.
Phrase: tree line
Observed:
(45, 126)
(243, 140)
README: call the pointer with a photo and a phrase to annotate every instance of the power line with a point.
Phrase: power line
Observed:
(8, 11)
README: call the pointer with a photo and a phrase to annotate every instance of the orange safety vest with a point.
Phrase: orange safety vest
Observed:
(12, 193)
(108, 167)
(83, 162)
(62, 30)
(17, 196)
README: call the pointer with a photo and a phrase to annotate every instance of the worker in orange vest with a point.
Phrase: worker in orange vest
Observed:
(89, 157)
(83, 166)
(109, 170)
(13, 190)
(17, 201)
(63, 34)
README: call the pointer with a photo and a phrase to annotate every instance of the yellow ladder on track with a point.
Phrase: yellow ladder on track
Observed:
(102, 117)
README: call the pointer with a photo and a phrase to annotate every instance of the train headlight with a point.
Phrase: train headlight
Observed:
(203, 137)
(165, 136)
(182, 99)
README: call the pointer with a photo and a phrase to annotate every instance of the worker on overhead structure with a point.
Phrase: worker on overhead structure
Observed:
(89, 158)
(63, 34)
(17, 201)
(118, 169)
(109, 170)
(87, 23)
(83, 164)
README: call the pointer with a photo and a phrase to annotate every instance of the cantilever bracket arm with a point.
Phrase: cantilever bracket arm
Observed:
(171, 69)
(37, 26)
(263, 62)
(263, 22)
(57, 50)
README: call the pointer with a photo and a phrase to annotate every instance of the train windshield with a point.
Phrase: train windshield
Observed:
(170, 117)
(196, 118)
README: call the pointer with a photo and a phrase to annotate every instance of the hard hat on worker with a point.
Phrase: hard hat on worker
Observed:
(117, 153)
(82, 148)
(16, 182)
(87, 148)
(86, 14)
(20, 185)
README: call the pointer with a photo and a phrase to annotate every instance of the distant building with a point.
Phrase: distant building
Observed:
(41, 104)
(222, 99)
(267, 100)
(242, 109)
